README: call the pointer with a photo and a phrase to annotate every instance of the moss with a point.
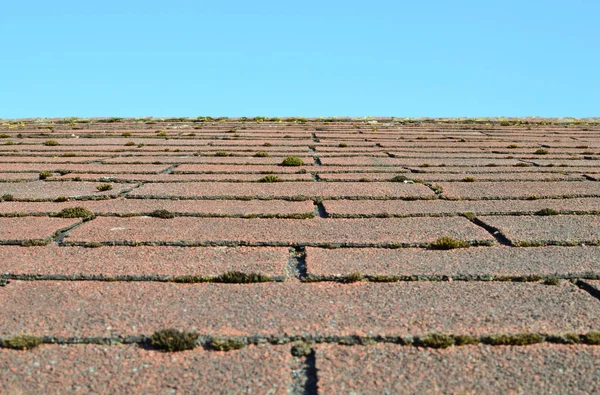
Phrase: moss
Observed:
(425, 165)
(7, 198)
(271, 178)
(35, 243)
(226, 344)
(189, 279)
(44, 174)
(352, 278)
(541, 151)
(104, 187)
(301, 349)
(69, 155)
(400, 179)
(546, 211)
(129, 144)
(126, 134)
(448, 243)
(505, 123)
(468, 179)
(235, 277)
(50, 143)
(4, 136)
(565, 338)
(437, 189)
(22, 342)
(435, 340)
(342, 145)
(592, 337)
(173, 340)
(93, 244)
(61, 199)
(261, 154)
(292, 161)
(532, 197)
(520, 339)
(469, 215)
(161, 134)
(521, 164)
(221, 153)
(63, 172)
(512, 146)
(463, 340)
(267, 145)
(9, 143)
(74, 212)
(162, 214)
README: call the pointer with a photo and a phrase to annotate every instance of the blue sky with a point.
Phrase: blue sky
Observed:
(291, 58)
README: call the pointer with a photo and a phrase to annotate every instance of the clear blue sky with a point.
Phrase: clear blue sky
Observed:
(299, 58)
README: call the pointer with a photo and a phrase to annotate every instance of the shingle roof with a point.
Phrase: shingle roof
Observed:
(397, 256)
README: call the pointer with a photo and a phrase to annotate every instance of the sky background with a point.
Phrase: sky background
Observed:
(299, 58)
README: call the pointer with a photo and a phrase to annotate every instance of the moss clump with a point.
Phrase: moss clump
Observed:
(565, 338)
(261, 154)
(547, 211)
(161, 134)
(342, 145)
(93, 244)
(173, 340)
(104, 187)
(541, 151)
(512, 146)
(61, 199)
(129, 144)
(352, 278)
(126, 134)
(292, 161)
(470, 215)
(234, 277)
(4, 136)
(69, 155)
(592, 337)
(520, 339)
(63, 172)
(267, 145)
(221, 153)
(226, 344)
(435, 340)
(400, 179)
(521, 164)
(301, 349)
(44, 174)
(469, 179)
(270, 178)
(448, 243)
(7, 198)
(35, 243)
(463, 340)
(50, 143)
(22, 342)
(74, 212)
(162, 214)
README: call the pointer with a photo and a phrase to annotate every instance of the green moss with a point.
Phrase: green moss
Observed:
(565, 338)
(235, 277)
(104, 187)
(63, 172)
(61, 199)
(437, 189)
(93, 244)
(50, 143)
(541, 151)
(162, 214)
(126, 134)
(292, 161)
(505, 123)
(44, 174)
(221, 153)
(271, 178)
(468, 179)
(592, 337)
(69, 155)
(7, 198)
(226, 344)
(470, 215)
(129, 144)
(520, 339)
(4, 136)
(435, 340)
(267, 145)
(400, 179)
(35, 243)
(342, 145)
(512, 146)
(448, 243)
(74, 212)
(352, 278)
(463, 340)
(173, 340)
(547, 211)
(22, 342)
(301, 349)
(261, 154)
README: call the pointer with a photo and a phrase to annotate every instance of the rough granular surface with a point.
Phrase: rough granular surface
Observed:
(300, 256)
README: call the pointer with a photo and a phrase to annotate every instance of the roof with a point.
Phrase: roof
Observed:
(300, 255)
